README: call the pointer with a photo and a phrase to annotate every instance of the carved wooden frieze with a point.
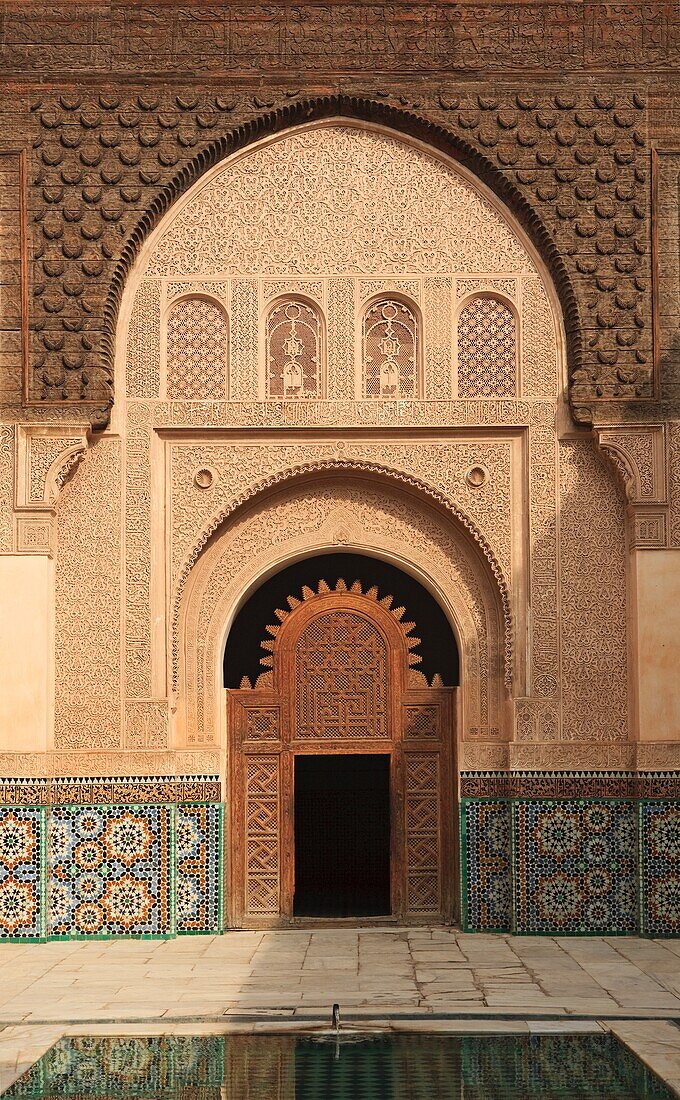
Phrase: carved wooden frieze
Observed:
(219, 37)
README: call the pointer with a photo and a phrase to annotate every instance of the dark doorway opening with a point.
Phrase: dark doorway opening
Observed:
(342, 836)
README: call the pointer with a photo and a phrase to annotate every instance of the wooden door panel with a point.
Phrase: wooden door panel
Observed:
(421, 721)
(341, 681)
(340, 668)
(262, 835)
(422, 831)
(257, 717)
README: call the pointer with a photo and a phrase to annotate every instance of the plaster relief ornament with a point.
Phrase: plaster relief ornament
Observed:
(307, 204)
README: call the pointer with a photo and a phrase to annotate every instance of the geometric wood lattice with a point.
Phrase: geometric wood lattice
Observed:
(422, 831)
(340, 678)
(262, 833)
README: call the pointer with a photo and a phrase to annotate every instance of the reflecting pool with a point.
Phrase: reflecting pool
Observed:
(355, 1067)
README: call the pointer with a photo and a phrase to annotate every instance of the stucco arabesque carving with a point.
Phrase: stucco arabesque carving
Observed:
(530, 148)
(638, 454)
(46, 456)
(395, 477)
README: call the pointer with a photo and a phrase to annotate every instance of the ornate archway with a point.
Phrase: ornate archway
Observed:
(341, 681)
(363, 514)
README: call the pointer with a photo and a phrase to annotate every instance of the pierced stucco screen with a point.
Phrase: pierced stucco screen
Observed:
(390, 350)
(487, 349)
(293, 350)
(197, 346)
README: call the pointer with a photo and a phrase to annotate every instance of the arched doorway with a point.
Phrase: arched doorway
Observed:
(341, 766)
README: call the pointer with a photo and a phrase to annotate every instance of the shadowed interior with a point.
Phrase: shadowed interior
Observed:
(342, 835)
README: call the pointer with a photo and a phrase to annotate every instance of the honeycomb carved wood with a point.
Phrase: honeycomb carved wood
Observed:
(572, 168)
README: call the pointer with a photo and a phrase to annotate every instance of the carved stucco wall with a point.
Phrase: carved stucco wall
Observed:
(335, 199)
(554, 153)
(533, 512)
(88, 606)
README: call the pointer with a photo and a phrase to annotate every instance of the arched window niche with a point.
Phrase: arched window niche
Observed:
(197, 349)
(391, 329)
(294, 349)
(487, 347)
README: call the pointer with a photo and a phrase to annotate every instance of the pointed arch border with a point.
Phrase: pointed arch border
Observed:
(395, 477)
(361, 109)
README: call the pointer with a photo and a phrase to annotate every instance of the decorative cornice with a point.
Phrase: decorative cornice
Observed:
(570, 784)
(110, 790)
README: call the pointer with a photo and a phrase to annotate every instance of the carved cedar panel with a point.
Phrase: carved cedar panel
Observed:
(421, 720)
(422, 812)
(262, 834)
(341, 679)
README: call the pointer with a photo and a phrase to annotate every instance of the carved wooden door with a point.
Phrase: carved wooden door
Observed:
(340, 680)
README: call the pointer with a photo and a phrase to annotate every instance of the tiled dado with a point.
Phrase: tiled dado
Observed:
(571, 866)
(660, 845)
(534, 865)
(102, 870)
(575, 866)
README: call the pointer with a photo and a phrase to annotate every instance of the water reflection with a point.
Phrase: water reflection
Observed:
(382, 1067)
